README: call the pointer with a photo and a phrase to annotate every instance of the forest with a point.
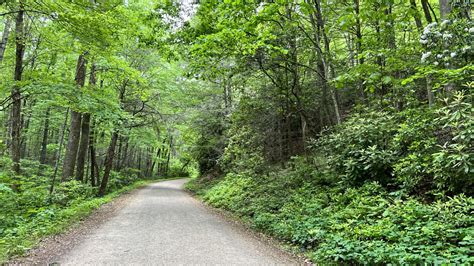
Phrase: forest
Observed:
(343, 129)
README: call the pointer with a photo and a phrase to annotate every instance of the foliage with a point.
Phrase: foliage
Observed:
(348, 225)
(30, 214)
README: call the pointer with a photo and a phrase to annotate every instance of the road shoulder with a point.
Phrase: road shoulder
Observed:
(274, 245)
(51, 248)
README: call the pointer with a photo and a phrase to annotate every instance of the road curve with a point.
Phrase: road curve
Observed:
(163, 225)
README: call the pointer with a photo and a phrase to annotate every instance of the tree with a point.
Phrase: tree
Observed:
(75, 124)
(16, 90)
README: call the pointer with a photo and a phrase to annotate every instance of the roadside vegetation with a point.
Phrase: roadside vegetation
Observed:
(343, 128)
(349, 133)
(31, 213)
(375, 192)
(89, 109)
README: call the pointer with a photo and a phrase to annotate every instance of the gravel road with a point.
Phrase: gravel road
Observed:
(162, 224)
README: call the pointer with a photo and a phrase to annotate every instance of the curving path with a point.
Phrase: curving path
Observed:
(162, 224)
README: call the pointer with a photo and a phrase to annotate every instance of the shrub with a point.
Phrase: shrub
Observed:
(67, 192)
(363, 225)
(118, 180)
(230, 193)
(359, 149)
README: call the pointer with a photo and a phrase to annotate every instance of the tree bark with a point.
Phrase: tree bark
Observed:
(58, 152)
(108, 164)
(15, 144)
(85, 129)
(167, 169)
(426, 11)
(326, 57)
(358, 35)
(4, 41)
(25, 126)
(44, 142)
(83, 147)
(94, 168)
(75, 126)
(444, 8)
(109, 160)
(123, 159)
(416, 16)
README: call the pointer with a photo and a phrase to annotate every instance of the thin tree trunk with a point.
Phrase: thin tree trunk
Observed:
(169, 156)
(15, 92)
(119, 154)
(326, 58)
(426, 11)
(154, 161)
(358, 34)
(140, 163)
(83, 147)
(444, 8)
(44, 142)
(58, 152)
(4, 41)
(123, 160)
(85, 129)
(111, 150)
(429, 91)
(416, 16)
(94, 168)
(75, 126)
(108, 164)
(24, 129)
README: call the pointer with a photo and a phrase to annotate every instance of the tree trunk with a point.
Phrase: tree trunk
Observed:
(326, 57)
(24, 130)
(416, 16)
(169, 156)
(426, 11)
(44, 142)
(4, 41)
(444, 8)
(84, 143)
(124, 156)
(83, 147)
(94, 168)
(359, 51)
(75, 126)
(15, 92)
(109, 160)
(108, 164)
(58, 152)
(119, 154)
(429, 91)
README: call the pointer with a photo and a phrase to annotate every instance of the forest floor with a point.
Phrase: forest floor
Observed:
(158, 224)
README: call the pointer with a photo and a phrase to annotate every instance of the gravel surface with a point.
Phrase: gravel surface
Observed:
(51, 248)
(162, 224)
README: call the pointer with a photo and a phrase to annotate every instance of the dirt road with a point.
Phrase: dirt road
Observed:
(162, 224)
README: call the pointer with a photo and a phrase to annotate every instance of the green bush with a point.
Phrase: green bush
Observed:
(118, 180)
(419, 150)
(359, 149)
(67, 192)
(363, 225)
(391, 187)
(230, 193)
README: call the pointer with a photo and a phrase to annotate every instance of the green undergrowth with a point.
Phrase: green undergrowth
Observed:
(30, 214)
(384, 187)
(357, 225)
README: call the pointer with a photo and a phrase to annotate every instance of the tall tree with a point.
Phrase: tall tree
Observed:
(444, 8)
(16, 90)
(4, 40)
(85, 129)
(75, 125)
